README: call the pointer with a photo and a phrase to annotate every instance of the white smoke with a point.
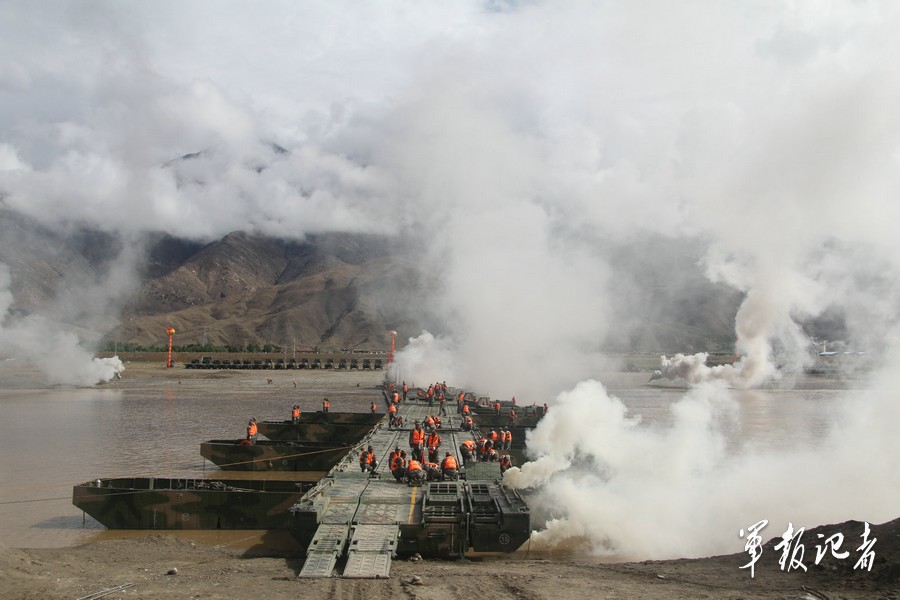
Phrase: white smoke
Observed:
(631, 491)
(44, 344)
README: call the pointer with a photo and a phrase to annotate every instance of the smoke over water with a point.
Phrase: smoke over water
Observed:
(41, 342)
(530, 153)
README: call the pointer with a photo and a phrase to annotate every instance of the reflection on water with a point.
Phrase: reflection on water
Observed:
(58, 438)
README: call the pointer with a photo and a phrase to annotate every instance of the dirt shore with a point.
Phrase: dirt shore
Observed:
(170, 566)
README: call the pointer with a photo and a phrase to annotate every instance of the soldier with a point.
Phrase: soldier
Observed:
(394, 454)
(367, 460)
(432, 471)
(414, 472)
(467, 451)
(497, 407)
(295, 413)
(449, 468)
(405, 391)
(511, 419)
(417, 441)
(433, 443)
(373, 408)
(326, 405)
(429, 423)
(251, 430)
(392, 416)
(505, 463)
(507, 439)
(442, 403)
(398, 466)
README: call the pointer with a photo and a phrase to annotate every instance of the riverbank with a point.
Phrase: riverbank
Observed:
(206, 568)
(167, 566)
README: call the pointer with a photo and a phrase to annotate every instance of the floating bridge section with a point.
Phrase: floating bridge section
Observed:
(353, 524)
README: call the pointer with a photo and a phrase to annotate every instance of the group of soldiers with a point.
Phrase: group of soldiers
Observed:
(415, 470)
(424, 462)
(485, 450)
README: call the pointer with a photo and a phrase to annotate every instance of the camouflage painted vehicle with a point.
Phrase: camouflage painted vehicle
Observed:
(372, 520)
(264, 455)
(338, 428)
(166, 503)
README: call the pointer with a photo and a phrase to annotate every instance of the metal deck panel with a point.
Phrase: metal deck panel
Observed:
(368, 565)
(318, 564)
(374, 538)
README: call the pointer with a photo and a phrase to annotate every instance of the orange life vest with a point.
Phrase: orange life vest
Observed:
(449, 462)
(414, 465)
(295, 413)
(465, 409)
(392, 409)
(416, 437)
(251, 429)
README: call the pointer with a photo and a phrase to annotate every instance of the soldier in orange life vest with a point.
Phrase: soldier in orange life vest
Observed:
(393, 454)
(326, 405)
(417, 441)
(460, 400)
(395, 397)
(449, 468)
(414, 472)
(367, 460)
(465, 409)
(466, 424)
(405, 391)
(295, 413)
(505, 463)
(429, 423)
(495, 438)
(398, 466)
(511, 420)
(467, 451)
(392, 414)
(251, 430)
(433, 442)
(442, 403)
(497, 407)
(507, 439)
(432, 470)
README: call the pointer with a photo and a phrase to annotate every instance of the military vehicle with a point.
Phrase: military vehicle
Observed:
(187, 503)
(357, 522)
(320, 427)
(265, 455)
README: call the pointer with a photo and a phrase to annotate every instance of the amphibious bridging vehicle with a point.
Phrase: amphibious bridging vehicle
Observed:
(265, 455)
(189, 503)
(318, 426)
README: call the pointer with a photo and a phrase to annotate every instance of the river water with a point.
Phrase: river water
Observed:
(151, 423)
